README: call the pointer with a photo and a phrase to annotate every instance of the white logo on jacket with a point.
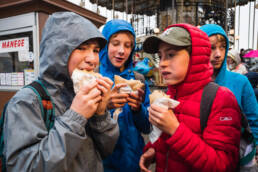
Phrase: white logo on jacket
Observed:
(226, 118)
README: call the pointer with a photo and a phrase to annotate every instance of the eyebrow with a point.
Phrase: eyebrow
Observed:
(86, 44)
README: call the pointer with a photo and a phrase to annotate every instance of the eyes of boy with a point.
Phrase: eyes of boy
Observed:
(87, 47)
(168, 54)
(117, 43)
(214, 47)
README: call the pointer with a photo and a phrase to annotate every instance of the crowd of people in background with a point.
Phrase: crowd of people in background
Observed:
(86, 136)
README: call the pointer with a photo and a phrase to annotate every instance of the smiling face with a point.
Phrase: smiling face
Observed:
(218, 50)
(84, 57)
(119, 48)
(174, 62)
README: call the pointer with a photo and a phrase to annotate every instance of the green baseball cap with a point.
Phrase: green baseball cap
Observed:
(177, 36)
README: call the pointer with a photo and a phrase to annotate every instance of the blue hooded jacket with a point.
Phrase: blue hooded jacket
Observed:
(237, 83)
(131, 124)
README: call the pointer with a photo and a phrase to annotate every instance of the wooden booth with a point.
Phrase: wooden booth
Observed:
(21, 24)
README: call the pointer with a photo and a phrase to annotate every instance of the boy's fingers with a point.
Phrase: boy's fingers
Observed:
(117, 87)
(87, 88)
(109, 81)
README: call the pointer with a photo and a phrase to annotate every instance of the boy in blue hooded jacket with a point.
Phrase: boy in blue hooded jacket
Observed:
(116, 58)
(237, 83)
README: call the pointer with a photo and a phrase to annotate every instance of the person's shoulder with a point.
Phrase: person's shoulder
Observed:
(24, 94)
(237, 77)
(225, 96)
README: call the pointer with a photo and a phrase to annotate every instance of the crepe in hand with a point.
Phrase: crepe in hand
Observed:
(81, 78)
(133, 84)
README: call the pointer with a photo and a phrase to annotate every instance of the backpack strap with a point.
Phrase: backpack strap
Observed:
(2, 158)
(208, 95)
(46, 105)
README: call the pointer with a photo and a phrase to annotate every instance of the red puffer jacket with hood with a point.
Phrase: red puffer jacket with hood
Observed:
(188, 149)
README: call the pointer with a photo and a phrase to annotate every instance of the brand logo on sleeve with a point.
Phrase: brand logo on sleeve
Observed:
(226, 118)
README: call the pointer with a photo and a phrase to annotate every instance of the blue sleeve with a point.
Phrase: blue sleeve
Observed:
(250, 108)
(141, 117)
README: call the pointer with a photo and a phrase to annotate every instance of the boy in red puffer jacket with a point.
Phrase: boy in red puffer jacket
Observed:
(184, 52)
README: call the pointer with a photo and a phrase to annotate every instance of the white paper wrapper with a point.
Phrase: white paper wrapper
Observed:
(127, 89)
(164, 103)
(81, 79)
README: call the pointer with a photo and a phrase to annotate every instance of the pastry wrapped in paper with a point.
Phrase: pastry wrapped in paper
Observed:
(131, 86)
(83, 77)
(162, 100)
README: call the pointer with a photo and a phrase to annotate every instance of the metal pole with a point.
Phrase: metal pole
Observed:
(126, 9)
(254, 23)
(196, 15)
(226, 18)
(235, 27)
(238, 27)
(97, 7)
(172, 7)
(249, 23)
(113, 8)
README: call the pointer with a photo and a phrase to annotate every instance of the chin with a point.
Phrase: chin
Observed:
(171, 82)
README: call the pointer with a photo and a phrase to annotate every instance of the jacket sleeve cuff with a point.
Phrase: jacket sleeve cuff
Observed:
(73, 117)
(147, 146)
(177, 135)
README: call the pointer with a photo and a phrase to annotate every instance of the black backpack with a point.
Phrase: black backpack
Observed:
(246, 138)
(47, 112)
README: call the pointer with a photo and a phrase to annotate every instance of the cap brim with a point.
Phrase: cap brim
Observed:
(151, 44)
(102, 42)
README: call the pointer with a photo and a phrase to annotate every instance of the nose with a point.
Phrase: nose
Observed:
(91, 61)
(162, 63)
(121, 49)
(217, 53)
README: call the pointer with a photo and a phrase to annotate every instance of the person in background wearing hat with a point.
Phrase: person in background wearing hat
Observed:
(117, 59)
(237, 83)
(234, 62)
(184, 52)
(80, 137)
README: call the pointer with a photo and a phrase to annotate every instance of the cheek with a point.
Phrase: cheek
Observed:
(128, 52)
(73, 63)
(111, 50)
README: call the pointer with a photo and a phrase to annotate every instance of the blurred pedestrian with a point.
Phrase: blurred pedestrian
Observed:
(234, 62)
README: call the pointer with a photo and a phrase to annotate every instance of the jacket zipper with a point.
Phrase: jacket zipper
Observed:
(166, 167)
(167, 154)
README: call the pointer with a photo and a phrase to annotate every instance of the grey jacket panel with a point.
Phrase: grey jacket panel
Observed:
(74, 143)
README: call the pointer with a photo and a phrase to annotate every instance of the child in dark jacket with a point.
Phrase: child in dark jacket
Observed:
(184, 52)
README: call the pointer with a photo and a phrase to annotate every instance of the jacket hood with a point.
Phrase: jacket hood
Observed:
(200, 70)
(106, 67)
(213, 29)
(63, 32)
(235, 56)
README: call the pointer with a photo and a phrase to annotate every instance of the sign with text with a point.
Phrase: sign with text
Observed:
(12, 45)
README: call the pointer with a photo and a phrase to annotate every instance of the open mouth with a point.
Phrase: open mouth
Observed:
(165, 74)
(118, 59)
